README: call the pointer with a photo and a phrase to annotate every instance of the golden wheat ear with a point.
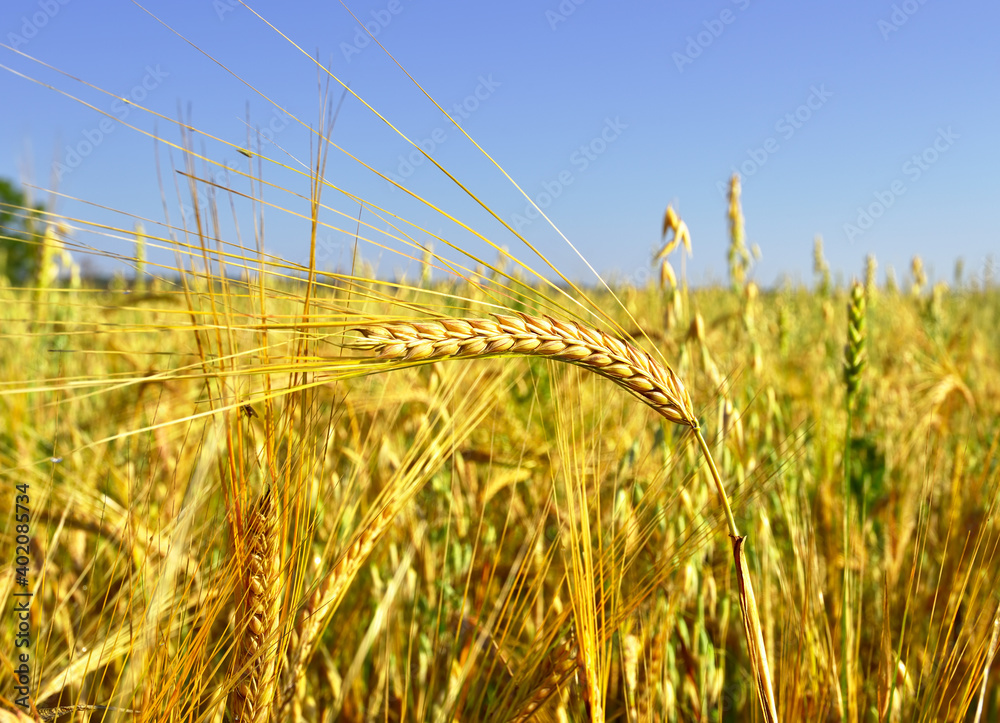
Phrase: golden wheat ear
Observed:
(546, 680)
(525, 335)
(255, 662)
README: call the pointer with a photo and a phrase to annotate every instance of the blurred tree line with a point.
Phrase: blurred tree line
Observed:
(21, 231)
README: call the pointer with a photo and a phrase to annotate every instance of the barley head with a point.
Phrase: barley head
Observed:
(524, 335)
(256, 656)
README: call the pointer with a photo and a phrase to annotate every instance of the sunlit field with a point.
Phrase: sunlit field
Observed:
(437, 479)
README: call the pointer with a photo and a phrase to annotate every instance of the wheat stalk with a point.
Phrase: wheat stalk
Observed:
(623, 363)
(256, 662)
(855, 358)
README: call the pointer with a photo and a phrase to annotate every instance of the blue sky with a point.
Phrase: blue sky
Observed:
(873, 124)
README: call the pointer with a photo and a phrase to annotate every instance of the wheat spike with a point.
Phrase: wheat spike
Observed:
(525, 335)
(855, 356)
(311, 619)
(871, 278)
(563, 662)
(739, 257)
(255, 663)
(919, 276)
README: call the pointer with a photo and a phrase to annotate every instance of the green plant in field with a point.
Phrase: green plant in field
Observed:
(21, 225)
(855, 355)
(855, 360)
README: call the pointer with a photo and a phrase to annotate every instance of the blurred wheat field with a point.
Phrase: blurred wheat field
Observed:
(235, 513)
